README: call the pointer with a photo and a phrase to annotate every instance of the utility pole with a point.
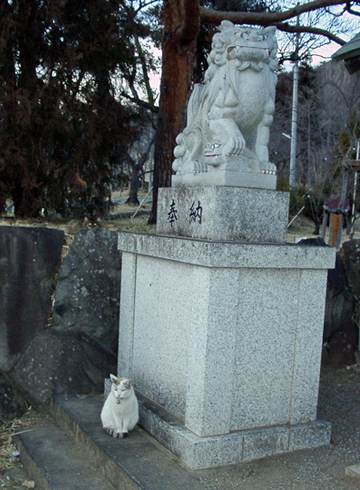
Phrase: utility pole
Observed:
(294, 116)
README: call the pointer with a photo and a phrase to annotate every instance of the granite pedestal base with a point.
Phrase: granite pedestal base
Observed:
(241, 446)
(225, 340)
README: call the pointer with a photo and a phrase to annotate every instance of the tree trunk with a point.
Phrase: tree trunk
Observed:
(27, 202)
(318, 221)
(181, 27)
(133, 199)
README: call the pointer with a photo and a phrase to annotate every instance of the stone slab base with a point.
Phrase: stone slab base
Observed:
(223, 213)
(134, 463)
(353, 470)
(225, 177)
(205, 452)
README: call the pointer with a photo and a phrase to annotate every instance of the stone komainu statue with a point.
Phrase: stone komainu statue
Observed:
(226, 138)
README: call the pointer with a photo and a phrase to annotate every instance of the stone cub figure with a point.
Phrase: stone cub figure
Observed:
(120, 412)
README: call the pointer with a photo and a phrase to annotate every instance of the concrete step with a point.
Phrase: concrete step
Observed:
(137, 462)
(55, 463)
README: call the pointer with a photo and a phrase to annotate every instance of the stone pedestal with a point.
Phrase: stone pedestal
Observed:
(223, 341)
(223, 213)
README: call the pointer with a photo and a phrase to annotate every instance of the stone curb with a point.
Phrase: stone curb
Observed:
(137, 462)
(55, 463)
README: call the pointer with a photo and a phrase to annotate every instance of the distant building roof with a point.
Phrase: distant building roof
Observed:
(350, 53)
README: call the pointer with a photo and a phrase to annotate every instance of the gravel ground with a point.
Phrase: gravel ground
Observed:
(323, 468)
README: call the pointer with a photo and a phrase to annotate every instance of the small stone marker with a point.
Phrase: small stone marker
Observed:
(353, 470)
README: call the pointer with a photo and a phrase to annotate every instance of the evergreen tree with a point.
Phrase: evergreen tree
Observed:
(63, 127)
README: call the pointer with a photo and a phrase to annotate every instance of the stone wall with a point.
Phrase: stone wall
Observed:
(88, 286)
(58, 320)
(29, 261)
(340, 328)
(340, 337)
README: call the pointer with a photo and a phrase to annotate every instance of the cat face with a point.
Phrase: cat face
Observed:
(121, 387)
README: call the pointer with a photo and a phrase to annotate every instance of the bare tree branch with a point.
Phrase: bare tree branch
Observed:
(311, 30)
(278, 18)
(149, 92)
(142, 103)
(143, 6)
(275, 18)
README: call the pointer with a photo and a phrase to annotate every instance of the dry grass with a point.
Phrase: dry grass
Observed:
(9, 457)
(300, 228)
(304, 227)
(125, 222)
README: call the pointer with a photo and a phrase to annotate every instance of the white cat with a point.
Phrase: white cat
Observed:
(120, 412)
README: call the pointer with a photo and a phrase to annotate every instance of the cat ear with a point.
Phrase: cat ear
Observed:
(113, 378)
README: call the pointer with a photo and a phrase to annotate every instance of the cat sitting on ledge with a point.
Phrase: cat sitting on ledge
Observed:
(120, 412)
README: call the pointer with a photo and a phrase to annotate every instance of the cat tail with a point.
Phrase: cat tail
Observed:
(111, 432)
